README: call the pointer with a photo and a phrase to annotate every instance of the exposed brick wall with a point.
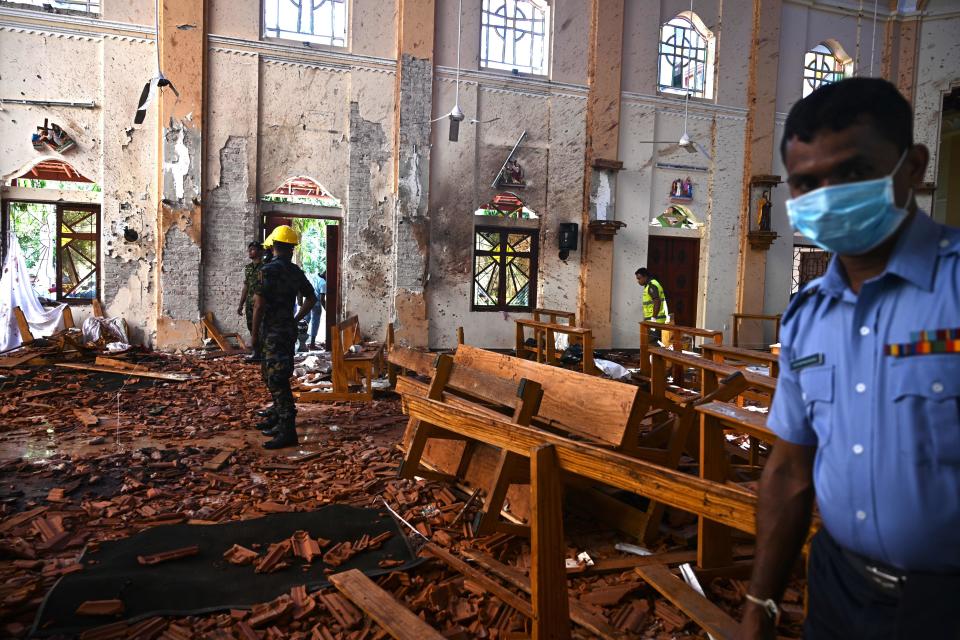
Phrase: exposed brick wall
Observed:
(180, 277)
(229, 223)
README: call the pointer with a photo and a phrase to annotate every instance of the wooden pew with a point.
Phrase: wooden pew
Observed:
(677, 334)
(544, 335)
(349, 366)
(740, 357)
(761, 387)
(222, 339)
(738, 317)
(553, 456)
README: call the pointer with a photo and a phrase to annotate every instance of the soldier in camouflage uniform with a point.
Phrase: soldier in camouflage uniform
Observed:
(251, 276)
(275, 331)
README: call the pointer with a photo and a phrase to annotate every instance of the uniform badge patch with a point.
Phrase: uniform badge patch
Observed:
(806, 361)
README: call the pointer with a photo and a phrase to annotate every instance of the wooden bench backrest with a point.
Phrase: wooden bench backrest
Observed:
(756, 380)
(554, 315)
(588, 406)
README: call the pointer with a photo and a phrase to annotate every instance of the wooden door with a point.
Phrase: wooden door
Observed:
(675, 263)
(332, 310)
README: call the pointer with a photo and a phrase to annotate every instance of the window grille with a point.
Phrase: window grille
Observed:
(809, 263)
(87, 6)
(317, 21)
(821, 67)
(515, 36)
(686, 58)
(504, 269)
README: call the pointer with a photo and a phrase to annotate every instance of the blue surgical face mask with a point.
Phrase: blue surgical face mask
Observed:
(849, 219)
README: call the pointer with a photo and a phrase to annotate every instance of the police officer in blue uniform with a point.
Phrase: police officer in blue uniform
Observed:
(866, 408)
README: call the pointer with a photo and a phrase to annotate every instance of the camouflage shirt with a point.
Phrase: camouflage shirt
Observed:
(251, 274)
(280, 282)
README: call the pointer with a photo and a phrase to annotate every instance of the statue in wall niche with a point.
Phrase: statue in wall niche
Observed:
(512, 175)
(681, 189)
(763, 211)
(53, 136)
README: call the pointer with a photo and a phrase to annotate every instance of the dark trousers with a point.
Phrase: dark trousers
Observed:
(845, 604)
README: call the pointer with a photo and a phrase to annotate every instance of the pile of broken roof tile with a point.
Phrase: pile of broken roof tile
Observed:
(177, 454)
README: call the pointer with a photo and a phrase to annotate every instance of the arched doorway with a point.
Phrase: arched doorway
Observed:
(316, 214)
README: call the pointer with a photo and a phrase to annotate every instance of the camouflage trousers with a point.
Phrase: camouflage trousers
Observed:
(276, 368)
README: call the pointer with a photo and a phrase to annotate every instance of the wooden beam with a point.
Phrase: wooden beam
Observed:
(706, 614)
(395, 618)
(579, 612)
(170, 377)
(506, 596)
(548, 575)
(25, 335)
(726, 504)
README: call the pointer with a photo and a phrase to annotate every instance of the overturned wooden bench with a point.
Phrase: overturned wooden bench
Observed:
(544, 349)
(354, 364)
(222, 339)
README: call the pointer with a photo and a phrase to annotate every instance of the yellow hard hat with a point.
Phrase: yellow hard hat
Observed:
(284, 233)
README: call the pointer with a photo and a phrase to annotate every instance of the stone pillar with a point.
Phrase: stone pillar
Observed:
(411, 152)
(182, 45)
(760, 144)
(600, 169)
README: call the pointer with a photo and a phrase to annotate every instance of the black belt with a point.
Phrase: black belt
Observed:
(890, 579)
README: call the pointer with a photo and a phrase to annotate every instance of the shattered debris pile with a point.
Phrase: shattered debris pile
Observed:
(90, 457)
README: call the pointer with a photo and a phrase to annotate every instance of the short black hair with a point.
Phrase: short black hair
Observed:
(642, 271)
(255, 245)
(840, 105)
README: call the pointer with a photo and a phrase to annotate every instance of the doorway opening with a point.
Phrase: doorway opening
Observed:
(318, 254)
(675, 262)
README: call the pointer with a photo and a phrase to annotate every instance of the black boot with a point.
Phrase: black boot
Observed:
(286, 436)
(266, 413)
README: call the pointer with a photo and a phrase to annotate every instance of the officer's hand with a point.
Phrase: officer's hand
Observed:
(756, 624)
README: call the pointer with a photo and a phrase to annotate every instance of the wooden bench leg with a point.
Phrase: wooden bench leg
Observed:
(548, 574)
(512, 468)
(714, 544)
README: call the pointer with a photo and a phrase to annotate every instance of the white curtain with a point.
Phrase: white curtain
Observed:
(15, 291)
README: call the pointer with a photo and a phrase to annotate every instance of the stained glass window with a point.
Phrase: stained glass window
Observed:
(822, 66)
(515, 36)
(685, 63)
(319, 21)
(504, 261)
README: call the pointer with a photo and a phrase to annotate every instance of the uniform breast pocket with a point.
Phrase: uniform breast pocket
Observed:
(816, 387)
(926, 395)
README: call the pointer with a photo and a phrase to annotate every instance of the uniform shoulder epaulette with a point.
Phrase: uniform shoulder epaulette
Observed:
(798, 300)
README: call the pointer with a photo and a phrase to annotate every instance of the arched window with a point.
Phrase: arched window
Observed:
(685, 63)
(825, 63)
(515, 36)
(319, 21)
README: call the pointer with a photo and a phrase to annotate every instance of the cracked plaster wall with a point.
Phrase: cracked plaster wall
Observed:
(109, 71)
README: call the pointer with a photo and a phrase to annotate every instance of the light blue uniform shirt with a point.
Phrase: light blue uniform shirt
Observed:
(887, 429)
(319, 284)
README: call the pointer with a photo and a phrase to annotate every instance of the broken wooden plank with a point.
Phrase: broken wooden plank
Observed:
(166, 556)
(579, 613)
(24, 326)
(216, 462)
(172, 377)
(86, 417)
(395, 618)
(9, 362)
(119, 364)
(100, 608)
(505, 595)
(709, 616)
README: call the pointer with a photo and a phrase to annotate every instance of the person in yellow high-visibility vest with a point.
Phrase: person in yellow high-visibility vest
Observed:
(654, 300)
